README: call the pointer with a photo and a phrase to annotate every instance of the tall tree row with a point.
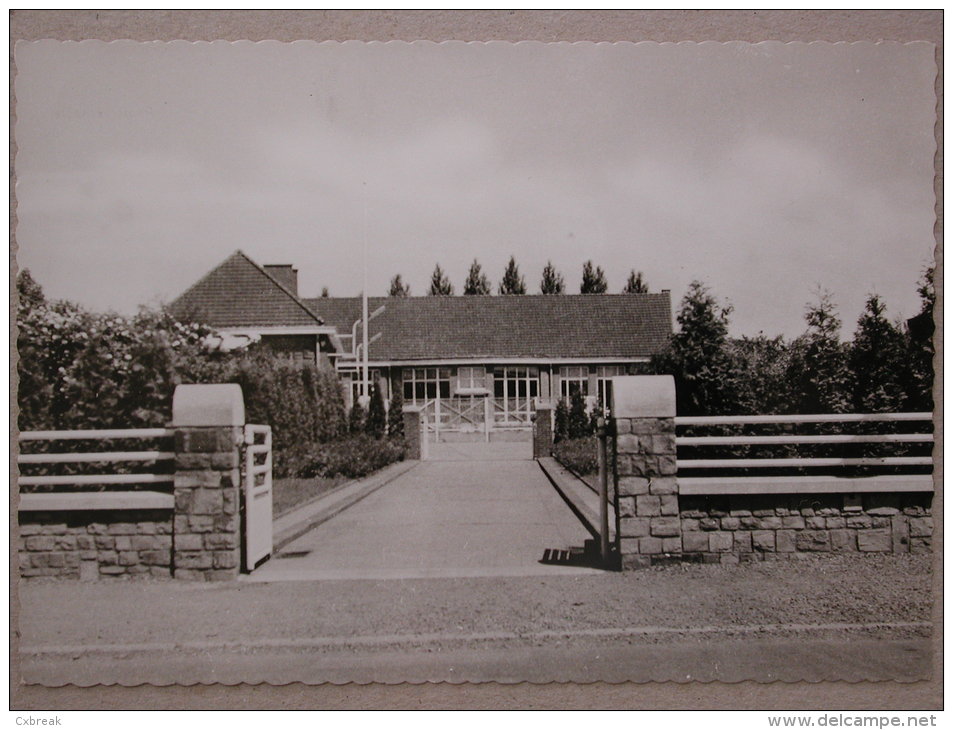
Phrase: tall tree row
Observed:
(886, 367)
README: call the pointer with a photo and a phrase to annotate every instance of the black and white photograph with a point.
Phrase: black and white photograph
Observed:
(366, 362)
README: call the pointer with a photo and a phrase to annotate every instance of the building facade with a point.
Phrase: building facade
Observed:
(475, 364)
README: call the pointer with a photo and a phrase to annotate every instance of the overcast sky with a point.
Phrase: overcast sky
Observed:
(764, 170)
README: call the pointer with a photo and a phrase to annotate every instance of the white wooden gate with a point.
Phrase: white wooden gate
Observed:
(257, 496)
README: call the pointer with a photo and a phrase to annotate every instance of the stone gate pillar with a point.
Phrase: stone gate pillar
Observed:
(643, 414)
(206, 528)
(414, 433)
(543, 430)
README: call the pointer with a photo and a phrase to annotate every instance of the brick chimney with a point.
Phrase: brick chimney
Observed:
(284, 274)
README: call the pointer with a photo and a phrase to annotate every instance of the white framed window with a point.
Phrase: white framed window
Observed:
(471, 378)
(604, 375)
(514, 388)
(425, 384)
(573, 378)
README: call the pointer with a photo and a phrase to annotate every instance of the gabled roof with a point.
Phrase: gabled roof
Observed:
(239, 293)
(598, 326)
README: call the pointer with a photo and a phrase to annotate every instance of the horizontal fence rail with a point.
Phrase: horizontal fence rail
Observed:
(887, 438)
(817, 418)
(95, 457)
(709, 469)
(798, 461)
(97, 434)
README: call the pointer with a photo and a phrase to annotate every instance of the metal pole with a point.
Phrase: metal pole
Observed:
(365, 379)
(603, 492)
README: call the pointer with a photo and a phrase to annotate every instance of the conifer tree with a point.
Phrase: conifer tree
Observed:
(512, 282)
(593, 280)
(819, 371)
(698, 356)
(398, 288)
(877, 361)
(395, 415)
(552, 282)
(29, 292)
(476, 282)
(578, 418)
(376, 422)
(440, 285)
(561, 421)
(636, 284)
(920, 347)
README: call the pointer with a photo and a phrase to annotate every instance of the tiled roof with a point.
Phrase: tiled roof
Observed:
(239, 293)
(601, 326)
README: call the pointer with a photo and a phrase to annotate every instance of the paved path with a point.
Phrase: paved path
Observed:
(473, 510)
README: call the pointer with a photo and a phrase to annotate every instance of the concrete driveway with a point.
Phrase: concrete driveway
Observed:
(474, 509)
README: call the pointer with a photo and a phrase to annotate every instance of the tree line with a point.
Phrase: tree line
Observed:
(513, 282)
(886, 367)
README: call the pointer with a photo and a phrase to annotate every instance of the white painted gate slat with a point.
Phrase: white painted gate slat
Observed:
(257, 497)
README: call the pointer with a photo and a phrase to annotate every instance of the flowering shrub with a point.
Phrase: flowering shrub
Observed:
(78, 369)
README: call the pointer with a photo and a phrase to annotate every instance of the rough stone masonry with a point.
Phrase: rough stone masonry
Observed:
(657, 525)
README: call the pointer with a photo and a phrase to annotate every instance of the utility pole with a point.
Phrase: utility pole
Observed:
(365, 389)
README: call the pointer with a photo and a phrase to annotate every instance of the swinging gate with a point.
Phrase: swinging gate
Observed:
(256, 496)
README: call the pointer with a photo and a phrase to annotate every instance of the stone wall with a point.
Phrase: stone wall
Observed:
(92, 545)
(198, 539)
(658, 525)
(729, 529)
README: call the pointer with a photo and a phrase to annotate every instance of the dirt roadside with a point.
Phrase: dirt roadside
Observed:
(813, 591)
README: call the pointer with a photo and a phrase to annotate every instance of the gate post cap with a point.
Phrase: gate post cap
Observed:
(412, 409)
(208, 405)
(643, 396)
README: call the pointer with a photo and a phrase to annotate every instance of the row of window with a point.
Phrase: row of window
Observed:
(509, 382)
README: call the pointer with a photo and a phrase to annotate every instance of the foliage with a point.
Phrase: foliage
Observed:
(29, 292)
(920, 329)
(593, 280)
(79, 369)
(352, 456)
(395, 415)
(561, 421)
(579, 423)
(877, 359)
(635, 284)
(552, 281)
(512, 282)
(763, 366)
(476, 282)
(581, 455)
(698, 356)
(440, 285)
(398, 288)
(818, 370)
(356, 418)
(303, 405)
(376, 424)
